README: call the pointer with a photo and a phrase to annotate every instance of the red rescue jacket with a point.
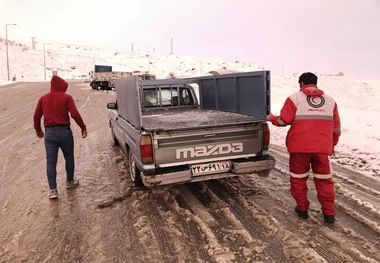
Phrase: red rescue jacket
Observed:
(55, 106)
(314, 120)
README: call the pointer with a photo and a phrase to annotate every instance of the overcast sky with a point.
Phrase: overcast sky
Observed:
(324, 36)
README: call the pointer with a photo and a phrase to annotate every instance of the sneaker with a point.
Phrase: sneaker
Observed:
(53, 194)
(329, 219)
(301, 214)
(72, 184)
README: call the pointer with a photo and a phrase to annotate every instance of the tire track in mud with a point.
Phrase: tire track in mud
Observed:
(258, 231)
(277, 207)
(226, 190)
(228, 238)
(157, 223)
(150, 221)
(169, 221)
(113, 234)
(191, 228)
(231, 223)
(323, 238)
(358, 194)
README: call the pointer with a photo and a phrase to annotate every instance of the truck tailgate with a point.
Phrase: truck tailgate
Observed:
(201, 145)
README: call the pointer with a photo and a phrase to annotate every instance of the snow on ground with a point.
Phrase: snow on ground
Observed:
(359, 146)
(358, 149)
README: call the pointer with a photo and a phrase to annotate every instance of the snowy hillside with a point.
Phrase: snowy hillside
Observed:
(74, 62)
(359, 146)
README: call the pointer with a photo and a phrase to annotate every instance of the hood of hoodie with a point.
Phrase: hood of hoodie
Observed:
(311, 90)
(58, 85)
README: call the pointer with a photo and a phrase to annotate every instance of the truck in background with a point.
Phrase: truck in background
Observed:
(170, 138)
(102, 78)
(143, 75)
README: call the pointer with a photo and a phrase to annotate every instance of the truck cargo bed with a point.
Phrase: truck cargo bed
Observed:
(193, 118)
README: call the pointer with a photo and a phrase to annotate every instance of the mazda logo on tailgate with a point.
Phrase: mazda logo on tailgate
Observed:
(201, 151)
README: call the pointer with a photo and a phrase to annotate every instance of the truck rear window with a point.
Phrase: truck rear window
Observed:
(167, 97)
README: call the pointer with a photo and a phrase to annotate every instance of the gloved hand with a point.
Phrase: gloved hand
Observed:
(269, 117)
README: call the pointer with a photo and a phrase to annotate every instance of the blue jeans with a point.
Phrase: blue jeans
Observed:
(55, 138)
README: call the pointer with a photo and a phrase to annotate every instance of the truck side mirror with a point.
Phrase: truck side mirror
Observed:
(112, 106)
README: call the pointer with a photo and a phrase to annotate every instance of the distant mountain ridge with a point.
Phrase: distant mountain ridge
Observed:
(74, 62)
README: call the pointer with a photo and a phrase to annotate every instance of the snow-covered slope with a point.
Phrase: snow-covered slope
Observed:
(357, 100)
(74, 62)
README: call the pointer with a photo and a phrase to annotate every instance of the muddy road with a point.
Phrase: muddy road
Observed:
(107, 219)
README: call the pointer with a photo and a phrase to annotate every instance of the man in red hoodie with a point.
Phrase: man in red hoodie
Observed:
(55, 106)
(314, 131)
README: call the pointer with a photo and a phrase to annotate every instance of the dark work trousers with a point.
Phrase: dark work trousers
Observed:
(55, 138)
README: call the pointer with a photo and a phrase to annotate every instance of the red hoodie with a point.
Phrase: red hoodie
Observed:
(55, 106)
(314, 120)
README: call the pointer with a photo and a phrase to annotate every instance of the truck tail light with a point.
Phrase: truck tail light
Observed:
(146, 149)
(266, 136)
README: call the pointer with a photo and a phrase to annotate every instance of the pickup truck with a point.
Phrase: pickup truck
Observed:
(185, 130)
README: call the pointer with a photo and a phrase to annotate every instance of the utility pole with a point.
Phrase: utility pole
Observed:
(33, 43)
(45, 60)
(6, 43)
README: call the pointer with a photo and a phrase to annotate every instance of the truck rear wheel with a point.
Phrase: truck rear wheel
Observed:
(264, 173)
(94, 85)
(134, 171)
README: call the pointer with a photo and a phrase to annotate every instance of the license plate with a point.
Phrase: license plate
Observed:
(210, 168)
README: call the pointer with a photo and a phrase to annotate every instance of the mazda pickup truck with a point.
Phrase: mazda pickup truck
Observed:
(176, 131)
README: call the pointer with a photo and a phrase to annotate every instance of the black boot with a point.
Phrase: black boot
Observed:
(301, 214)
(329, 219)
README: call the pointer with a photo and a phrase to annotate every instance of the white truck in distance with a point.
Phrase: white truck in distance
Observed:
(103, 77)
(170, 138)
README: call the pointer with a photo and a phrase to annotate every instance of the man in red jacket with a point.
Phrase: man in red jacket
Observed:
(314, 131)
(55, 106)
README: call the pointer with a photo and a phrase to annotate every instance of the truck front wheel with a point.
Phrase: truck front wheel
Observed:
(134, 171)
